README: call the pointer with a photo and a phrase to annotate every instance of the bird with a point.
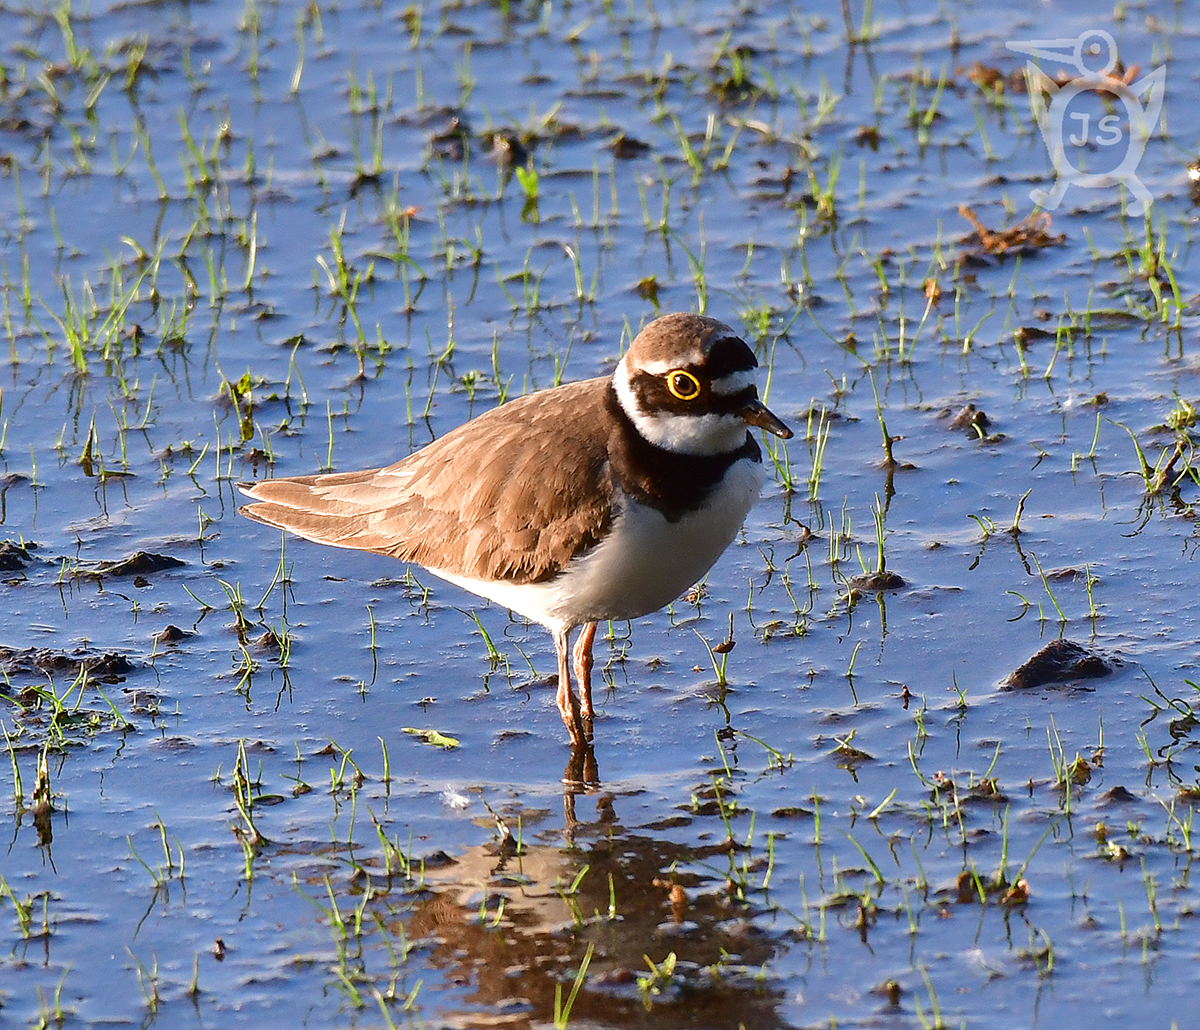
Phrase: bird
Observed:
(601, 499)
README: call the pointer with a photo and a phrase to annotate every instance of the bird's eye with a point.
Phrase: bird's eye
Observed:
(683, 384)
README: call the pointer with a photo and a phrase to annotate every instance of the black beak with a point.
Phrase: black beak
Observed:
(758, 414)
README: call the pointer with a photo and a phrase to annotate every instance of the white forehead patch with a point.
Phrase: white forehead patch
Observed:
(661, 368)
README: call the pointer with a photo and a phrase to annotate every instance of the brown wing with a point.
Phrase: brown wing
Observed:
(513, 494)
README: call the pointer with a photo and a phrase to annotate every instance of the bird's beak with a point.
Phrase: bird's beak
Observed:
(758, 414)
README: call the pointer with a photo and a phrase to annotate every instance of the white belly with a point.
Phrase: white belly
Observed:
(644, 563)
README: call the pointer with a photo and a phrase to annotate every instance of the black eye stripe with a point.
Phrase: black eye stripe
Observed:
(653, 394)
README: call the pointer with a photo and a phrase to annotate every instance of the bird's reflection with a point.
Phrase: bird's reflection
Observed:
(507, 924)
(581, 776)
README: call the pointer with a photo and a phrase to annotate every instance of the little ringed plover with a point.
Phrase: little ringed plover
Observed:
(600, 499)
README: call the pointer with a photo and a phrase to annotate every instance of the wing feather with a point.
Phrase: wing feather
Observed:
(511, 495)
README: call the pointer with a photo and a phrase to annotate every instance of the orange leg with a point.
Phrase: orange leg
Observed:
(568, 707)
(583, 670)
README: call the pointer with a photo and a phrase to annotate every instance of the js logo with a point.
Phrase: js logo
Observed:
(1094, 56)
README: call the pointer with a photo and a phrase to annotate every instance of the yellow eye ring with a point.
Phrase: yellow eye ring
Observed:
(683, 385)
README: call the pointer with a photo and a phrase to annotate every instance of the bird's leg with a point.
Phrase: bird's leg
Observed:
(583, 670)
(568, 707)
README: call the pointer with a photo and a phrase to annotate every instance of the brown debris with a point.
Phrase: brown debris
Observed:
(1060, 661)
(891, 990)
(450, 142)
(1079, 771)
(1117, 795)
(676, 895)
(108, 667)
(965, 891)
(508, 149)
(1024, 335)
(873, 582)
(14, 557)
(647, 289)
(867, 136)
(140, 563)
(1031, 233)
(972, 421)
(626, 147)
(1017, 894)
(993, 80)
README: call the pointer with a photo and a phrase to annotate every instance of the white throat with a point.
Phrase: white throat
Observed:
(684, 434)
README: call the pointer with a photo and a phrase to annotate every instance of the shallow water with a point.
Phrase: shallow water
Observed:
(836, 835)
